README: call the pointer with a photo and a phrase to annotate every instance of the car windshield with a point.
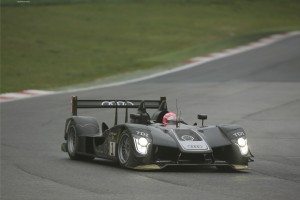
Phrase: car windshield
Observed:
(172, 120)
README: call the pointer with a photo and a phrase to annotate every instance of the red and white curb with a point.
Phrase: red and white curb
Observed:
(197, 61)
(22, 95)
(193, 62)
(253, 45)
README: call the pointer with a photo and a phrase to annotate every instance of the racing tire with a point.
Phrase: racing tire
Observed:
(72, 145)
(125, 150)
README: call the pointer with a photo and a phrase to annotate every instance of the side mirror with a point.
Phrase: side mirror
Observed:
(202, 117)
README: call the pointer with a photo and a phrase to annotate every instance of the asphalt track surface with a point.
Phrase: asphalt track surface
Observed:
(258, 89)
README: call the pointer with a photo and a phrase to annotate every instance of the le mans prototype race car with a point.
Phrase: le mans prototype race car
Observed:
(146, 143)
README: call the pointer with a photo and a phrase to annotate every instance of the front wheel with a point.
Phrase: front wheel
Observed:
(125, 153)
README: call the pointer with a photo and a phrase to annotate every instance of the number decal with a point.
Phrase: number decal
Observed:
(112, 149)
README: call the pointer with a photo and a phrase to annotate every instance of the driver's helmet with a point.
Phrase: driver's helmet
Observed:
(169, 118)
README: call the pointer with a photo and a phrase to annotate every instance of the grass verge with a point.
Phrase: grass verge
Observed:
(49, 44)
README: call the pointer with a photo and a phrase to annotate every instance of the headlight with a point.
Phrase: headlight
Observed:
(244, 150)
(141, 145)
(243, 146)
(242, 142)
(143, 142)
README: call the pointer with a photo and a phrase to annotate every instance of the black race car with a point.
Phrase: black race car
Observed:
(145, 142)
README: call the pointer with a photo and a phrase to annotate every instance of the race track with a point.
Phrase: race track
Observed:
(258, 89)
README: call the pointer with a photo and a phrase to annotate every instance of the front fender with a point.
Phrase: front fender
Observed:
(157, 136)
(233, 133)
(85, 126)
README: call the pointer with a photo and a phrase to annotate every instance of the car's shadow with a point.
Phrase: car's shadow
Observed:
(169, 169)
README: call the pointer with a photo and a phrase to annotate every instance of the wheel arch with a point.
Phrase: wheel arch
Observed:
(84, 125)
(233, 133)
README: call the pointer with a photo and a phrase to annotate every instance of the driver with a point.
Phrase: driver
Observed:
(169, 118)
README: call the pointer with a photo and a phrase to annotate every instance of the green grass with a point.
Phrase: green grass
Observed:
(49, 44)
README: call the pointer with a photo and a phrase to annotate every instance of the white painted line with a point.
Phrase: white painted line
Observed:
(193, 62)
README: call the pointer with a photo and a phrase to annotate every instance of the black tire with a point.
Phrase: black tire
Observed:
(72, 145)
(125, 150)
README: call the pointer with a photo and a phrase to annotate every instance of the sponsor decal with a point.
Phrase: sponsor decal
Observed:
(112, 136)
(187, 138)
(141, 133)
(195, 146)
(239, 134)
(119, 103)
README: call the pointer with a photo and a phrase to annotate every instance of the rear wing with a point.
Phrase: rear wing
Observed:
(81, 104)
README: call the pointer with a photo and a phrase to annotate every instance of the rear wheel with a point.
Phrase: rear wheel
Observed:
(72, 144)
(125, 153)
